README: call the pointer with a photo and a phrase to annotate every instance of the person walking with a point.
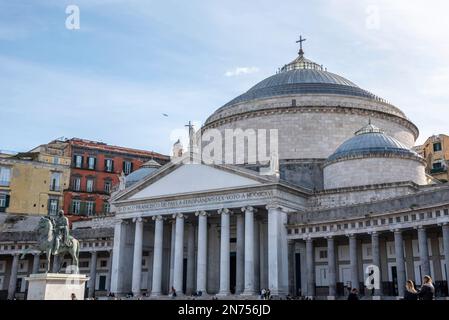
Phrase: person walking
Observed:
(427, 290)
(410, 291)
(173, 292)
(354, 295)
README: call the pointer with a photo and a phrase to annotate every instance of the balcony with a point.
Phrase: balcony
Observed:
(438, 170)
(4, 183)
(55, 188)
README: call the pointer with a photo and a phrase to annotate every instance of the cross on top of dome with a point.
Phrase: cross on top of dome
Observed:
(301, 62)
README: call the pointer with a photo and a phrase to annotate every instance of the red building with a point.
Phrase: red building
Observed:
(95, 171)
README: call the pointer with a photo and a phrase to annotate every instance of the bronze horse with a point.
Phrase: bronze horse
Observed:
(46, 243)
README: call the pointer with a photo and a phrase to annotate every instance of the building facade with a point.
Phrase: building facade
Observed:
(95, 171)
(348, 195)
(436, 153)
(33, 183)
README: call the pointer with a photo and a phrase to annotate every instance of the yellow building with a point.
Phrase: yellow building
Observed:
(32, 183)
(436, 153)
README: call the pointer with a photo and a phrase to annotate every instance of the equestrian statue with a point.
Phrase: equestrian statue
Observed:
(53, 238)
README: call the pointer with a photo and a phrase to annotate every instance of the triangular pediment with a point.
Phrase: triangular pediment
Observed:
(192, 178)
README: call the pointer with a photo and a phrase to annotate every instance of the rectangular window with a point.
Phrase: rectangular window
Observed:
(55, 160)
(107, 186)
(127, 167)
(4, 201)
(437, 165)
(437, 146)
(76, 206)
(76, 182)
(90, 208)
(323, 254)
(90, 185)
(108, 165)
(53, 206)
(55, 181)
(91, 161)
(78, 161)
(5, 176)
(106, 207)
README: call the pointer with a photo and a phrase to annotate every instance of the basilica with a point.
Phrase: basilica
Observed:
(348, 195)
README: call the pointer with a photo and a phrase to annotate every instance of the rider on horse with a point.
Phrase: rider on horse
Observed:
(61, 225)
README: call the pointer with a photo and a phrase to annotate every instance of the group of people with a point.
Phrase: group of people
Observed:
(426, 292)
(265, 294)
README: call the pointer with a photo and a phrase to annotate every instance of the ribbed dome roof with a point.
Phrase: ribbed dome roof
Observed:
(302, 76)
(371, 140)
(145, 170)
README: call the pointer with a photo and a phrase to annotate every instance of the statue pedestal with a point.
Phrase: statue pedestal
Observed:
(56, 286)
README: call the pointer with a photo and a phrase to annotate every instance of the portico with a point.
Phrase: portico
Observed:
(214, 233)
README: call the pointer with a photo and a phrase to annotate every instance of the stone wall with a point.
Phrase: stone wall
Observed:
(314, 133)
(364, 171)
(349, 196)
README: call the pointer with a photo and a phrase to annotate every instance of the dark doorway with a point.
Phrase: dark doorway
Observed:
(233, 271)
(184, 276)
(394, 277)
(298, 274)
(102, 283)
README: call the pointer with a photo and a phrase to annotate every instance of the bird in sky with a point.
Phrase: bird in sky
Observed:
(165, 115)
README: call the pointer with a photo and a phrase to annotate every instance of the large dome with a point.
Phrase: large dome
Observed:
(302, 81)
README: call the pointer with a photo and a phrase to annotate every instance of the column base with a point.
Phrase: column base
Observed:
(248, 293)
(330, 297)
(155, 294)
(376, 298)
(223, 293)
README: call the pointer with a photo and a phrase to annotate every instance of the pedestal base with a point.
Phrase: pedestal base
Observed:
(56, 286)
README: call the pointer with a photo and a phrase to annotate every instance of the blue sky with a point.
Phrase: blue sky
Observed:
(131, 61)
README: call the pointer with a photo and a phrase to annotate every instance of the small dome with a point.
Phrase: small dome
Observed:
(145, 170)
(368, 141)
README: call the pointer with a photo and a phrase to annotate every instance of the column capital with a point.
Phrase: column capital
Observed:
(351, 235)
(137, 219)
(330, 237)
(396, 230)
(201, 213)
(419, 227)
(273, 205)
(373, 233)
(224, 211)
(157, 218)
(179, 216)
(249, 208)
(93, 252)
(443, 224)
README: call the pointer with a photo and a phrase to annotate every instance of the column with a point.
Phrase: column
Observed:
(178, 270)
(310, 267)
(423, 251)
(92, 274)
(13, 277)
(257, 255)
(376, 260)
(274, 250)
(445, 229)
(172, 252)
(108, 280)
(117, 275)
(331, 267)
(156, 289)
(36, 262)
(400, 262)
(240, 254)
(354, 261)
(190, 283)
(137, 260)
(201, 268)
(249, 250)
(224, 252)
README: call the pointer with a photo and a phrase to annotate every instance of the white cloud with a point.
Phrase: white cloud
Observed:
(241, 70)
